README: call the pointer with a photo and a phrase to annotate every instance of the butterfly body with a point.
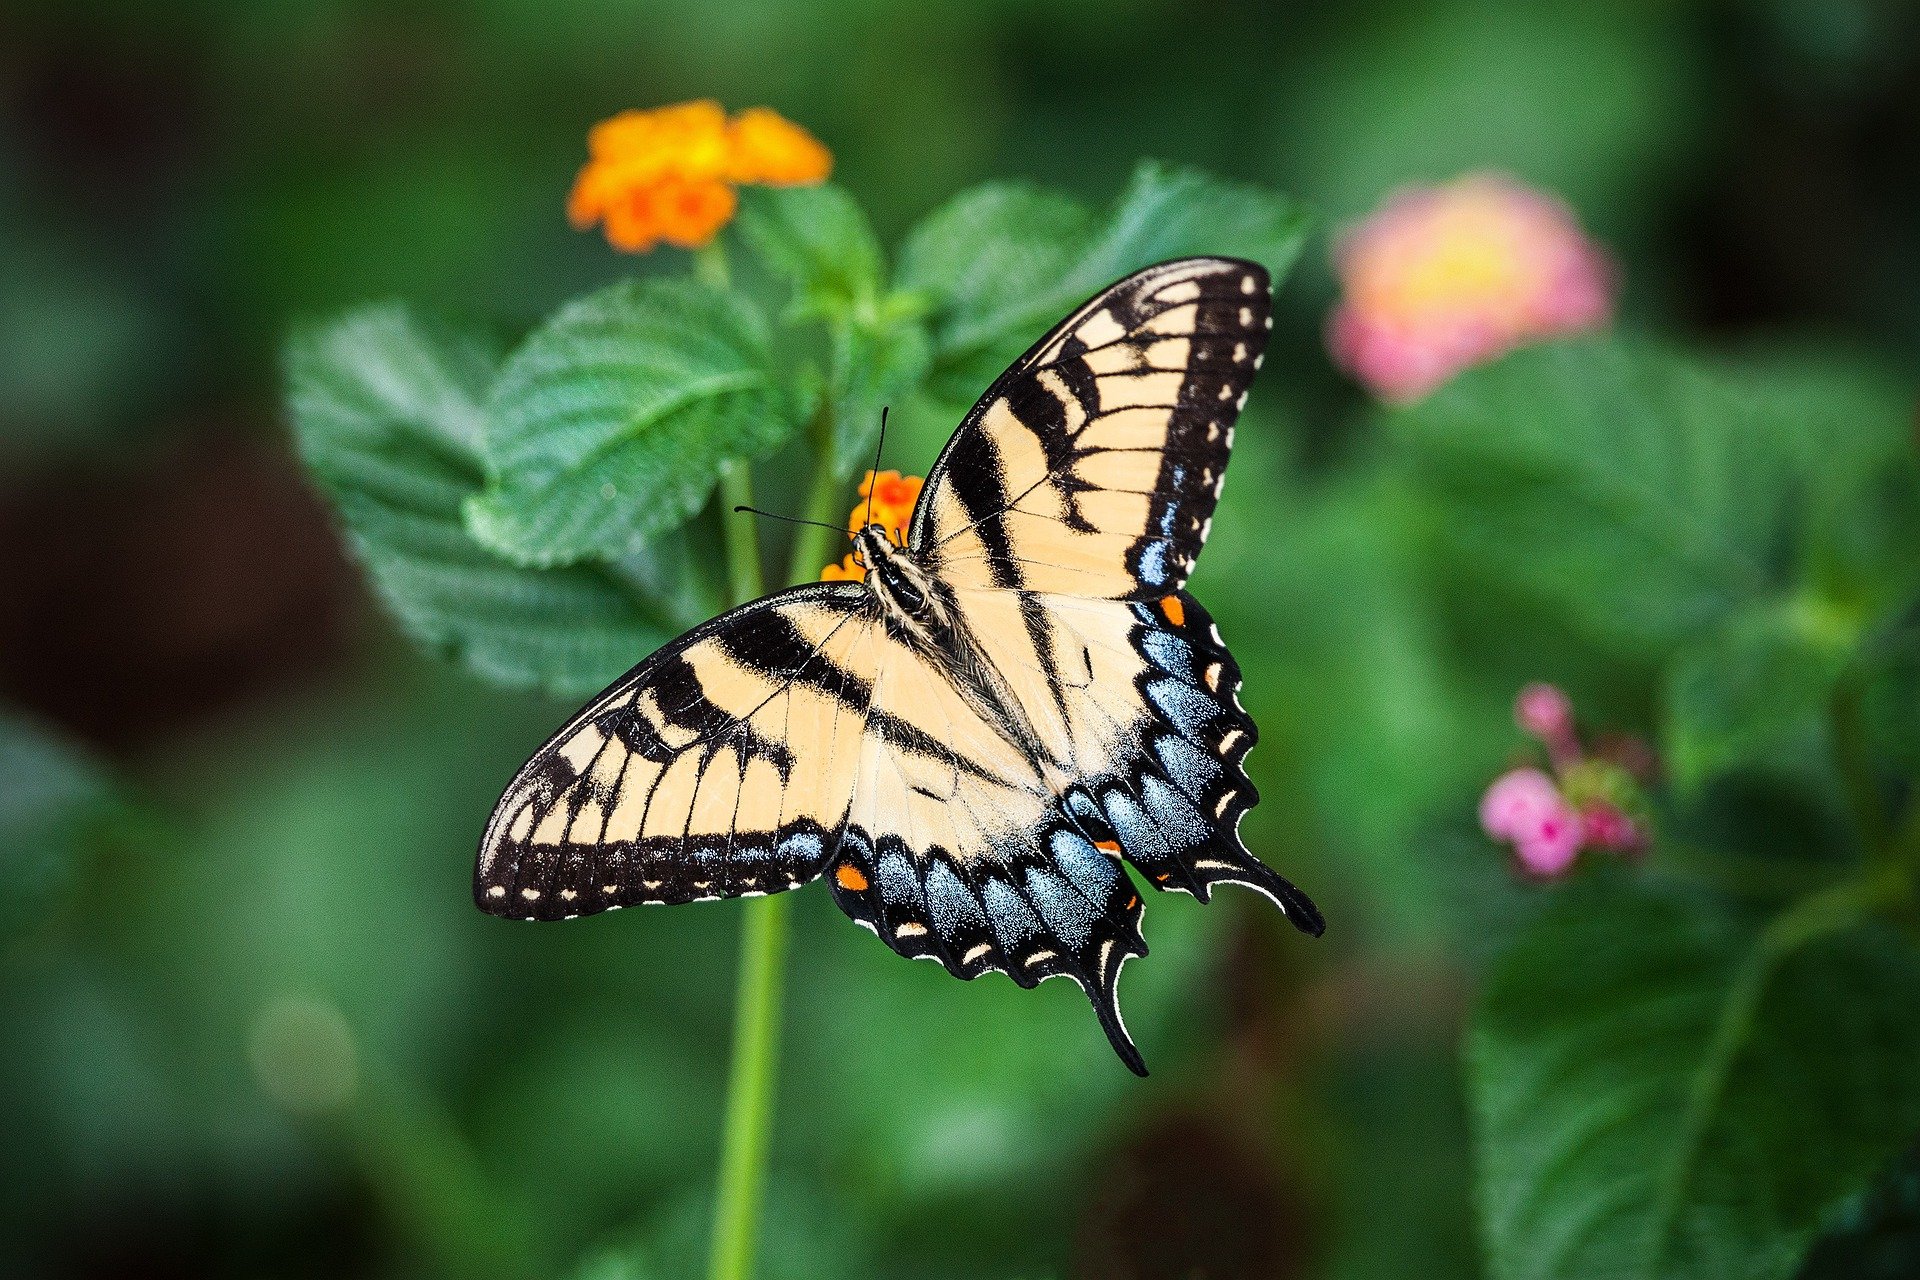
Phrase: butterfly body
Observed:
(970, 743)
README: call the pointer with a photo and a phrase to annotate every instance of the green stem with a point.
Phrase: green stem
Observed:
(756, 1013)
(1853, 759)
(824, 496)
(749, 1119)
(710, 264)
(742, 543)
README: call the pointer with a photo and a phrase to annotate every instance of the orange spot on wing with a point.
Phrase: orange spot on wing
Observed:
(850, 877)
(1164, 876)
(1133, 901)
(1111, 846)
(1175, 611)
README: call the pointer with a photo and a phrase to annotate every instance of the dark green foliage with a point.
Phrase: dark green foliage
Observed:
(1659, 1091)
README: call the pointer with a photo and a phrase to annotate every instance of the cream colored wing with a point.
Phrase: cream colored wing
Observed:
(1091, 467)
(721, 766)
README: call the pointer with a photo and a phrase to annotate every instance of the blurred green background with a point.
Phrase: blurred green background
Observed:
(250, 1023)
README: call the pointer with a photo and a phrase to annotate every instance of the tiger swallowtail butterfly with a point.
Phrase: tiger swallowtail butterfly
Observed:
(972, 744)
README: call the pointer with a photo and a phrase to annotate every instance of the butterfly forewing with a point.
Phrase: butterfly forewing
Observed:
(1092, 466)
(721, 766)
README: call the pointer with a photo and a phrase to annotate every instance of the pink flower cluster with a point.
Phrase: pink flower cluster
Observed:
(1442, 278)
(1550, 818)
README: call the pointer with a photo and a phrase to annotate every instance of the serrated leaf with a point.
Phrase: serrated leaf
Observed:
(1644, 494)
(1661, 1093)
(1001, 264)
(609, 425)
(976, 260)
(1755, 686)
(387, 413)
(817, 240)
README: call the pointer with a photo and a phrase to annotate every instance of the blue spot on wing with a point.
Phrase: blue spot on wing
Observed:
(801, 846)
(898, 884)
(1180, 822)
(1090, 870)
(1192, 770)
(949, 903)
(1153, 563)
(1185, 707)
(1137, 832)
(1069, 915)
(1170, 653)
(1013, 920)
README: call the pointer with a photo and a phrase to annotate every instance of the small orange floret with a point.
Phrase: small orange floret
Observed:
(669, 174)
(1176, 611)
(848, 570)
(887, 499)
(765, 147)
(850, 877)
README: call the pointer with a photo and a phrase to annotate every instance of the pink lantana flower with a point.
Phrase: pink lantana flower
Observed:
(1442, 278)
(1588, 802)
(1525, 808)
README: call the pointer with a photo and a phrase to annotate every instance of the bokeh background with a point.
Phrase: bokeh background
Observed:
(250, 1023)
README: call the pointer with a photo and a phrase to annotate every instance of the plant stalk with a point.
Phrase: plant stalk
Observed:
(748, 1124)
(811, 545)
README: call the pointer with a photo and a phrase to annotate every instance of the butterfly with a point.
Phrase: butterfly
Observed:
(970, 743)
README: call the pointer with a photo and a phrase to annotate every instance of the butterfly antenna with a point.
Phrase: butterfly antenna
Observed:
(874, 474)
(774, 515)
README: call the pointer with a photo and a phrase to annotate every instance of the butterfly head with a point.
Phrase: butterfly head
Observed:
(894, 575)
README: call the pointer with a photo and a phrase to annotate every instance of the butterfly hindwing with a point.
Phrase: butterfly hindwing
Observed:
(958, 849)
(1092, 466)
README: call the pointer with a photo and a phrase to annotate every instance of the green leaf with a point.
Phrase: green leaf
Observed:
(1000, 264)
(387, 411)
(1754, 687)
(52, 807)
(1660, 1093)
(879, 365)
(608, 427)
(1644, 495)
(976, 262)
(817, 240)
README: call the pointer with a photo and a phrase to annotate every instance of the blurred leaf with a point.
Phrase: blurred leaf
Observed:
(1403, 1142)
(1660, 1093)
(880, 365)
(1000, 264)
(993, 1065)
(53, 805)
(817, 240)
(387, 413)
(1850, 420)
(975, 261)
(1757, 684)
(1596, 103)
(803, 1236)
(1643, 494)
(1876, 1235)
(608, 427)
(1893, 695)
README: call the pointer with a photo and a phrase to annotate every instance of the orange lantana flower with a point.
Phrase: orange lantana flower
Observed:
(669, 173)
(887, 499)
